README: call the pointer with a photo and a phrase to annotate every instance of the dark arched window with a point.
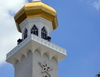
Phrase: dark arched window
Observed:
(43, 33)
(25, 33)
(34, 30)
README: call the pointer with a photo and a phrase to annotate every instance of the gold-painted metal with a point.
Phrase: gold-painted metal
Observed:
(36, 9)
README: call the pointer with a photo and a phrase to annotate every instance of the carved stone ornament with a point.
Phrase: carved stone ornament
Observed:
(45, 68)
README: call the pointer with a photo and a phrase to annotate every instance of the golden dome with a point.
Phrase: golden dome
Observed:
(36, 9)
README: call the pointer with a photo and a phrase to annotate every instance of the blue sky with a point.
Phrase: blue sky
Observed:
(78, 32)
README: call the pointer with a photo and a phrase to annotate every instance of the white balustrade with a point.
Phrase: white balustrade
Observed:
(39, 40)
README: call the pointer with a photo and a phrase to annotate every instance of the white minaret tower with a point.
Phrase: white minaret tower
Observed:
(35, 55)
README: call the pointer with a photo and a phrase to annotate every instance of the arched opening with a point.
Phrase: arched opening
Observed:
(43, 33)
(34, 30)
(25, 33)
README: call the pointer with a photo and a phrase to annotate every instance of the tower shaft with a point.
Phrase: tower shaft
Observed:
(35, 55)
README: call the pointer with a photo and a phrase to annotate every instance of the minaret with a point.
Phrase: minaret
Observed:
(35, 55)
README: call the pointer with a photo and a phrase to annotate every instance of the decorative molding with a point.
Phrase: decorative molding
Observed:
(45, 68)
(33, 42)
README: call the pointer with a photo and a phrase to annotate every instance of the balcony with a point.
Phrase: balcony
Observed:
(33, 40)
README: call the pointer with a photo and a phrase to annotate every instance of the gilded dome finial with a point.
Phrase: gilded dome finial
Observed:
(36, 9)
(36, 0)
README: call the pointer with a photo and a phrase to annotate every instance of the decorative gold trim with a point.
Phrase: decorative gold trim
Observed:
(36, 9)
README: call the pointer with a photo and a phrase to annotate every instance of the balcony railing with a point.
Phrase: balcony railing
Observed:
(38, 40)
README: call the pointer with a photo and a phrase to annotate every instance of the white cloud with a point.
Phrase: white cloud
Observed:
(96, 4)
(8, 31)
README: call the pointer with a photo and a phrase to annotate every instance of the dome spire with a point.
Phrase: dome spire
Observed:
(36, 0)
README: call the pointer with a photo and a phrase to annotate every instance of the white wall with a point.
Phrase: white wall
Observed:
(40, 22)
(29, 67)
(24, 68)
